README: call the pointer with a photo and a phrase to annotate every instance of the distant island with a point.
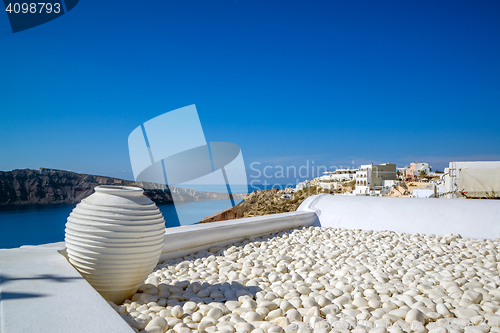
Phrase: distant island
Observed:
(50, 186)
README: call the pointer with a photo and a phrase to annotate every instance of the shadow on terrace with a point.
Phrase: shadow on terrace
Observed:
(184, 291)
(4, 279)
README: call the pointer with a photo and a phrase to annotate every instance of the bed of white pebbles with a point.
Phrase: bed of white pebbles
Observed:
(325, 280)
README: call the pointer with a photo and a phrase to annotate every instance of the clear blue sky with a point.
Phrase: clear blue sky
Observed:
(337, 82)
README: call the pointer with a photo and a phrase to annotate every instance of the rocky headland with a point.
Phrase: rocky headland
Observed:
(49, 186)
(272, 201)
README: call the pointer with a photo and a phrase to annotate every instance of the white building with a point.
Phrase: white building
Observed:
(370, 178)
(427, 192)
(401, 172)
(412, 172)
(302, 185)
(330, 179)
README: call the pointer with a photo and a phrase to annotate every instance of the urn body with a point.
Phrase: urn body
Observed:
(114, 238)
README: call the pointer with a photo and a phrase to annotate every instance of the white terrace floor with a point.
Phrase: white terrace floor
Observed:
(325, 279)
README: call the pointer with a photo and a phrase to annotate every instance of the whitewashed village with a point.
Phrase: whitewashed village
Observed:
(480, 179)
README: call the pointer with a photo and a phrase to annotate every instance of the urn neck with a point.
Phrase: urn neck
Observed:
(124, 191)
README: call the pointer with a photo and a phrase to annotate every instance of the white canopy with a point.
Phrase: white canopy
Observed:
(479, 183)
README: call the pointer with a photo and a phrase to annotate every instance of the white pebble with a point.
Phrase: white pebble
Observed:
(215, 313)
(158, 321)
(415, 315)
(177, 312)
(252, 316)
(465, 313)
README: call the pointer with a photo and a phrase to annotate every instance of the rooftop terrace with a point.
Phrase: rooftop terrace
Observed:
(332, 261)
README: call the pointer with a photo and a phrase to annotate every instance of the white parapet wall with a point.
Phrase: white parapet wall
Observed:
(41, 292)
(469, 218)
(184, 240)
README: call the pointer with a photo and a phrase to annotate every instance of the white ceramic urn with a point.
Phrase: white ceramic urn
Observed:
(114, 238)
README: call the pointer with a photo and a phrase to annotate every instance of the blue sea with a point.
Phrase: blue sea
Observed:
(41, 224)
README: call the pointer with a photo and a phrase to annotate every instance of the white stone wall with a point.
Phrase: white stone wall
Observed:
(469, 218)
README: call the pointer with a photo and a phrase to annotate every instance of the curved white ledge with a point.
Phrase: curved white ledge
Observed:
(180, 241)
(469, 218)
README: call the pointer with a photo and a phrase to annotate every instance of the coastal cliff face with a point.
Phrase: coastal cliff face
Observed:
(48, 186)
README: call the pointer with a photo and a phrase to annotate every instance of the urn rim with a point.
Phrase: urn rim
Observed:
(119, 190)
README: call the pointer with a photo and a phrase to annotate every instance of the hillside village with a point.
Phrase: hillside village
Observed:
(471, 180)
(416, 180)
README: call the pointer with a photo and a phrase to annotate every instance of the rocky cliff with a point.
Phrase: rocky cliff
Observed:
(264, 203)
(49, 186)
